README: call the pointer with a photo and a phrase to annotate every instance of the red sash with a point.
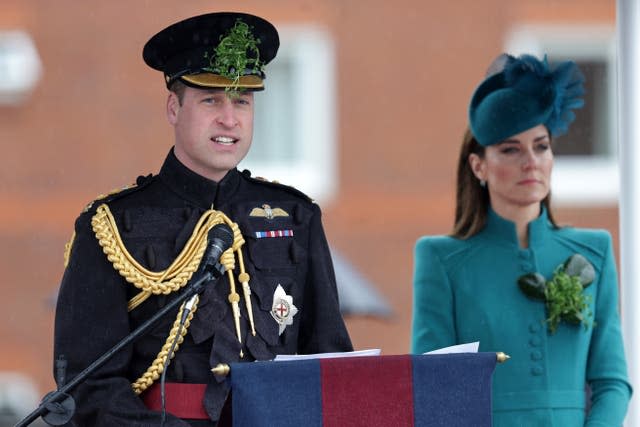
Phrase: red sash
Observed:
(181, 399)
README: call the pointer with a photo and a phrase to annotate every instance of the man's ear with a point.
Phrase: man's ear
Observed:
(173, 108)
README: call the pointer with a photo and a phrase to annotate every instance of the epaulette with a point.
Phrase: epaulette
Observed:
(141, 182)
(275, 184)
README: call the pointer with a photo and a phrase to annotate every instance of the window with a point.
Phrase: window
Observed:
(294, 131)
(19, 66)
(586, 170)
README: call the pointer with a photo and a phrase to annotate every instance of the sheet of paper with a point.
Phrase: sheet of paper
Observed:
(471, 347)
(369, 352)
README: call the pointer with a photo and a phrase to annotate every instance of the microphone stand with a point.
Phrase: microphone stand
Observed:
(57, 407)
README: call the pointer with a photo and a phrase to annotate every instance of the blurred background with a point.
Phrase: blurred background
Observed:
(365, 108)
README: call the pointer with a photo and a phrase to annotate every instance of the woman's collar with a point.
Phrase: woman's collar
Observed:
(505, 230)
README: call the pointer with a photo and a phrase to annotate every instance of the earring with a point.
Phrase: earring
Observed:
(483, 183)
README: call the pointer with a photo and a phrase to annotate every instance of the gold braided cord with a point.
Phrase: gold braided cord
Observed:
(138, 299)
(69, 245)
(67, 249)
(243, 277)
(228, 261)
(149, 282)
(174, 277)
(154, 371)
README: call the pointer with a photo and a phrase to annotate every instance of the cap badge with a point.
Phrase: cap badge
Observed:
(268, 212)
(283, 309)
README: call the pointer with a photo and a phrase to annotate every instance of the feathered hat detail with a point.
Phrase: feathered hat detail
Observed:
(523, 92)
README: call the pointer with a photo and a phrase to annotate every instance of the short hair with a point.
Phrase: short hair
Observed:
(178, 88)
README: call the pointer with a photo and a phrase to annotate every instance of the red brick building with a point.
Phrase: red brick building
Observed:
(397, 80)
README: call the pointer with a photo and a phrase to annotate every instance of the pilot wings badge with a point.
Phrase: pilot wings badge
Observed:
(268, 212)
(283, 309)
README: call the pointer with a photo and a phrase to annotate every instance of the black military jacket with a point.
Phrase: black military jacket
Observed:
(155, 219)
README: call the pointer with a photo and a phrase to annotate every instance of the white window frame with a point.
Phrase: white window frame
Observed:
(311, 52)
(578, 180)
(20, 66)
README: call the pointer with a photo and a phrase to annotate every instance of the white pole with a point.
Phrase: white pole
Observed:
(628, 31)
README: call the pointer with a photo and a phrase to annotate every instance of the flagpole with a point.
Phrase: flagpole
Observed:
(628, 91)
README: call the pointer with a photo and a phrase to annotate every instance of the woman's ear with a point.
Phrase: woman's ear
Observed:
(173, 108)
(477, 165)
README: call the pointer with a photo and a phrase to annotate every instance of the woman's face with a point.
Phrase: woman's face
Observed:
(517, 170)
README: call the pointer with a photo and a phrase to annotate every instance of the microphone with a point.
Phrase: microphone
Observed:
(219, 239)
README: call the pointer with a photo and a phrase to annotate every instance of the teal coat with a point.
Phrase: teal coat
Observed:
(466, 290)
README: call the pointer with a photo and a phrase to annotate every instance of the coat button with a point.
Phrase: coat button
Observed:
(535, 341)
(151, 257)
(537, 370)
(126, 221)
(536, 355)
(141, 180)
(186, 212)
(294, 254)
(297, 214)
(534, 327)
(526, 266)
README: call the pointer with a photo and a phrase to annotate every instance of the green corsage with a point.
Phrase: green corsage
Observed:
(563, 294)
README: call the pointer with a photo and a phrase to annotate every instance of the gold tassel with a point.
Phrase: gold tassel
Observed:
(176, 276)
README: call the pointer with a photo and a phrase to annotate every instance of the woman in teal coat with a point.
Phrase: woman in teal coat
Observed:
(510, 277)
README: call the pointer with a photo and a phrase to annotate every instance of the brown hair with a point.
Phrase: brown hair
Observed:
(472, 199)
(178, 88)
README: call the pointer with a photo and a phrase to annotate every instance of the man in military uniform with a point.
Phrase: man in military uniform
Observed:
(134, 251)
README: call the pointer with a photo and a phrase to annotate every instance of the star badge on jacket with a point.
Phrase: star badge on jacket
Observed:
(283, 309)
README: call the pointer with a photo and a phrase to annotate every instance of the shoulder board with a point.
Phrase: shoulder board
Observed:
(141, 182)
(275, 184)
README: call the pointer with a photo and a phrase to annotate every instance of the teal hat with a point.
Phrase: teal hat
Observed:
(523, 92)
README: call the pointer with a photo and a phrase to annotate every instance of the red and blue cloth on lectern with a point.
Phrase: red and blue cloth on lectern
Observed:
(452, 390)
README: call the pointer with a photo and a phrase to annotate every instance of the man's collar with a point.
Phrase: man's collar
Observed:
(193, 187)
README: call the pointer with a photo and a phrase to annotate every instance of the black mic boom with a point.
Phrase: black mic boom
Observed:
(219, 239)
(57, 407)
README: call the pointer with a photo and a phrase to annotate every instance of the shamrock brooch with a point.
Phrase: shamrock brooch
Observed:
(563, 294)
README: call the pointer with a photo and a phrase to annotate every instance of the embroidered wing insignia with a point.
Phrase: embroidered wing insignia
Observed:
(268, 212)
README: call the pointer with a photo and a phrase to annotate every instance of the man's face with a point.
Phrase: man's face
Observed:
(213, 129)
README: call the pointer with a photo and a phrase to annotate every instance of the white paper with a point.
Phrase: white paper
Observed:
(369, 352)
(471, 347)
